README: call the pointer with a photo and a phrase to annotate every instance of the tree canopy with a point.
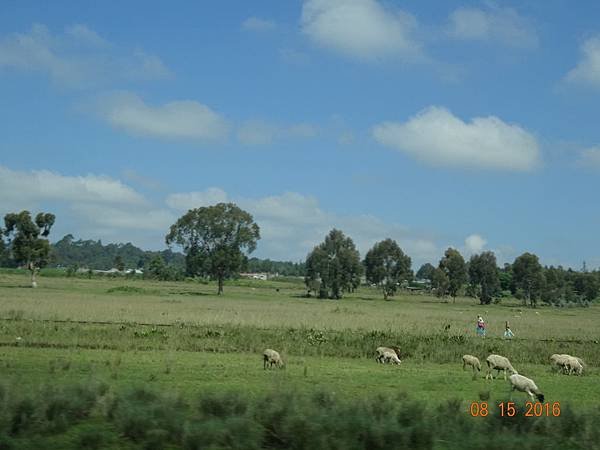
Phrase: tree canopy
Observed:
(425, 272)
(387, 266)
(529, 277)
(483, 275)
(453, 265)
(27, 239)
(333, 267)
(215, 240)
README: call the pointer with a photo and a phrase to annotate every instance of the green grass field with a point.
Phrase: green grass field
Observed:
(181, 338)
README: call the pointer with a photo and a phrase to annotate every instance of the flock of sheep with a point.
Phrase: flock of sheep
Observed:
(566, 363)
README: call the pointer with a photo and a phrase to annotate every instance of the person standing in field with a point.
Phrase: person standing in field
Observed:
(480, 326)
(508, 334)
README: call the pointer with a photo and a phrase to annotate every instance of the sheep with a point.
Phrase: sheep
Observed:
(385, 354)
(473, 361)
(271, 357)
(567, 363)
(524, 384)
(391, 357)
(499, 363)
(559, 360)
(573, 365)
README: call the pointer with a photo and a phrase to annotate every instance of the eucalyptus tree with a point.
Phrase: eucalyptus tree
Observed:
(387, 266)
(27, 241)
(215, 240)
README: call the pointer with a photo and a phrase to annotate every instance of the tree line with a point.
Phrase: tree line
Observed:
(217, 241)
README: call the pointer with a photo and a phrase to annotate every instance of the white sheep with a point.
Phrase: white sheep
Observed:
(499, 363)
(271, 357)
(573, 365)
(391, 357)
(559, 360)
(387, 354)
(524, 384)
(567, 363)
(473, 361)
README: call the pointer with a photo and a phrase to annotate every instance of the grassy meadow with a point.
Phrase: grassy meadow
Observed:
(179, 340)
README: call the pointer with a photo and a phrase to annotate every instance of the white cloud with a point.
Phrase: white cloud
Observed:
(292, 224)
(587, 70)
(589, 158)
(39, 185)
(474, 244)
(184, 119)
(492, 23)
(439, 138)
(257, 24)
(190, 200)
(79, 57)
(362, 29)
(91, 206)
(259, 132)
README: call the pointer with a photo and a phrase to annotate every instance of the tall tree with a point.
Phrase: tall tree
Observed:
(483, 274)
(528, 275)
(440, 282)
(387, 266)
(27, 239)
(215, 240)
(453, 265)
(119, 264)
(333, 266)
(425, 272)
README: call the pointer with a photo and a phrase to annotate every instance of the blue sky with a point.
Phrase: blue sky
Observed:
(463, 124)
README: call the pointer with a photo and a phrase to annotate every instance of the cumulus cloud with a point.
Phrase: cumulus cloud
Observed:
(92, 206)
(587, 70)
(38, 185)
(259, 132)
(474, 244)
(184, 119)
(492, 23)
(362, 29)
(589, 158)
(190, 200)
(79, 57)
(437, 137)
(257, 24)
(292, 224)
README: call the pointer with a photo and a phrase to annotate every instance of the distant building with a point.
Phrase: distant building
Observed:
(255, 276)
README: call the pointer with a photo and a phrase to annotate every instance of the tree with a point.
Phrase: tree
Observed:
(27, 241)
(483, 274)
(528, 275)
(453, 265)
(333, 266)
(440, 282)
(215, 240)
(387, 266)
(425, 272)
(119, 264)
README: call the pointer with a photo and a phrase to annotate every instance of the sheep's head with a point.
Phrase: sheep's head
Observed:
(540, 397)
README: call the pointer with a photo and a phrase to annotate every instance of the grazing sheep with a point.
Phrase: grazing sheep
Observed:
(271, 357)
(524, 384)
(573, 365)
(473, 361)
(384, 354)
(567, 363)
(391, 357)
(499, 363)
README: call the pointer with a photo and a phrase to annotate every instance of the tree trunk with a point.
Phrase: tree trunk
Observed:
(220, 285)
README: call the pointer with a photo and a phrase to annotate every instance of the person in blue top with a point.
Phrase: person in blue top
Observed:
(508, 334)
